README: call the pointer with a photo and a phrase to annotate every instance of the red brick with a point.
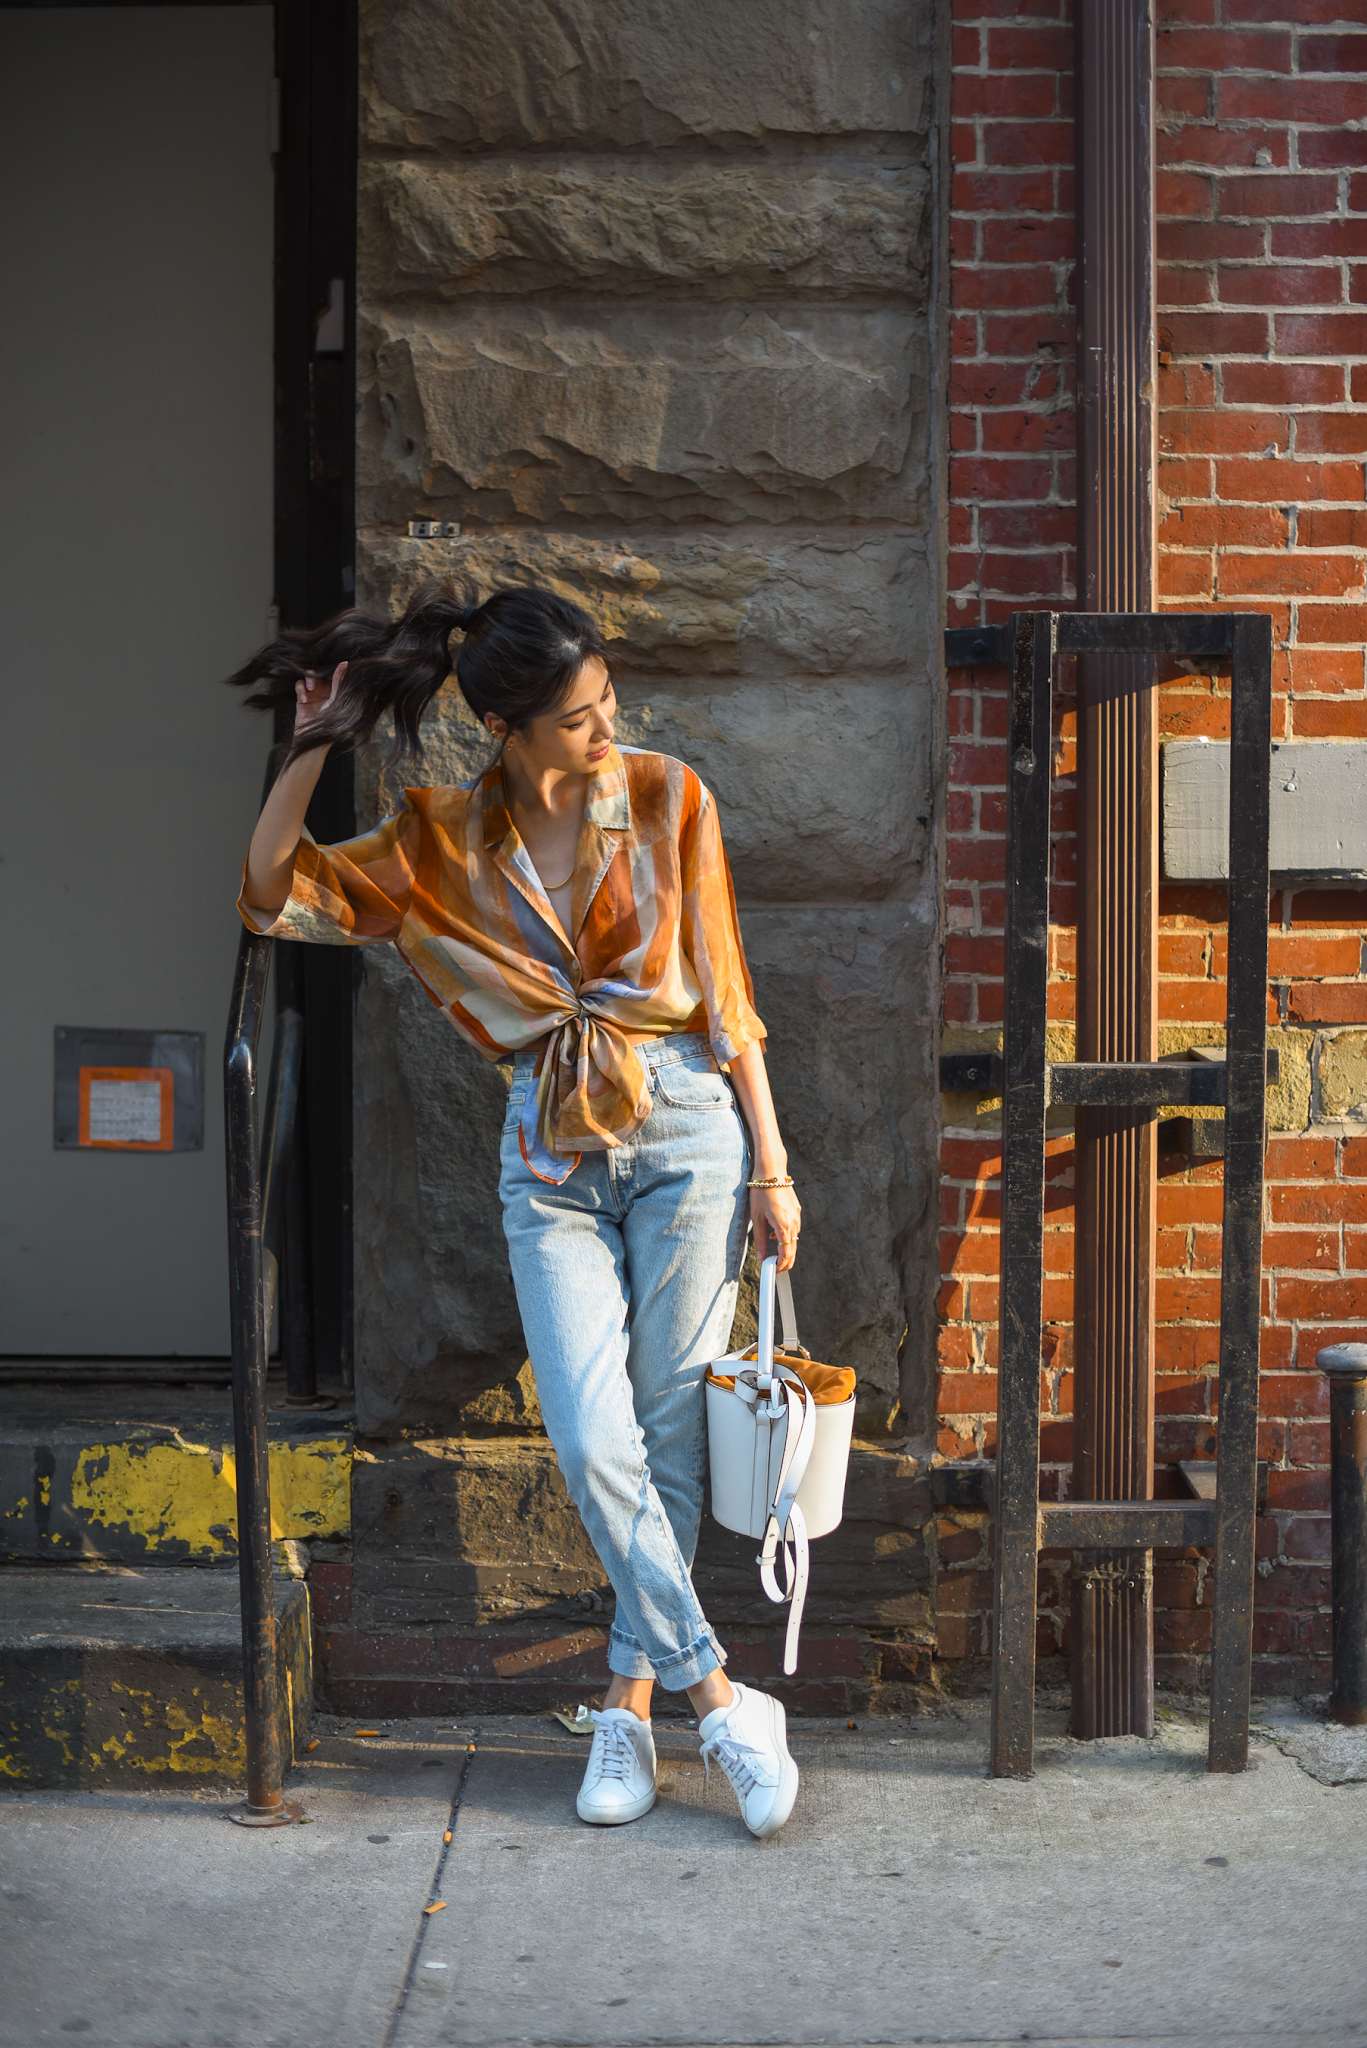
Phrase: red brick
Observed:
(1329, 721)
(1189, 96)
(1297, 953)
(1185, 476)
(1008, 526)
(1028, 142)
(1320, 1300)
(1188, 286)
(1331, 433)
(1026, 241)
(1005, 285)
(1329, 1002)
(1188, 1300)
(1314, 1205)
(1221, 431)
(1002, 477)
(1204, 241)
(1030, 49)
(1290, 575)
(1320, 527)
(1283, 384)
(1011, 192)
(1024, 96)
(1279, 481)
(1266, 198)
(1308, 1535)
(1332, 150)
(1340, 238)
(1321, 100)
(1333, 53)
(1281, 284)
(1222, 50)
(1341, 624)
(1298, 1489)
(1293, 1394)
(1225, 526)
(1185, 194)
(1308, 1443)
(1223, 147)
(1321, 334)
(1008, 432)
(1217, 334)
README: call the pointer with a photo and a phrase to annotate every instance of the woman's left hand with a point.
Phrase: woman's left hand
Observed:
(776, 1210)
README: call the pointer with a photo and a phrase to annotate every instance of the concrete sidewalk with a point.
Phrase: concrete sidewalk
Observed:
(1122, 1894)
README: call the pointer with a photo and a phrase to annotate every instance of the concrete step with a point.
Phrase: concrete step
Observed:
(125, 1676)
(147, 1474)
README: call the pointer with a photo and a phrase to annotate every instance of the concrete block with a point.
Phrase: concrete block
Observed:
(1343, 1078)
(447, 229)
(649, 412)
(137, 1495)
(134, 1678)
(611, 74)
(1318, 824)
(823, 604)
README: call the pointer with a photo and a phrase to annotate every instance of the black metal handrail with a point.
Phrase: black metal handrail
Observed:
(258, 1178)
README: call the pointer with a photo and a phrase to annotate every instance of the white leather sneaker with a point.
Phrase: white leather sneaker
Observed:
(619, 1781)
(749, 1740)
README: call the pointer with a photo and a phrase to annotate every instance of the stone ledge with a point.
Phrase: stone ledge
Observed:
(665, 413)
(491, 74)
(447, 230)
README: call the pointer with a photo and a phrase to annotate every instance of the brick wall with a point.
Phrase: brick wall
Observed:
(1263, 292)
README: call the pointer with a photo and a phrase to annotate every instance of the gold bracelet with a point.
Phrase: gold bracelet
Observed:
(783, 1181)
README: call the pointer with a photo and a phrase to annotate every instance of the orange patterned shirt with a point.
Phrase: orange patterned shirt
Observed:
(657, 947)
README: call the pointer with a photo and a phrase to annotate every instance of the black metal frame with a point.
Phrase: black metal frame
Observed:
(1025, 1526)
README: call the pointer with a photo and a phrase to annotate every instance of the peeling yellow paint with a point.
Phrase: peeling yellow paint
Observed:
(17, 1509)
(44, 1489)
(173, 1494)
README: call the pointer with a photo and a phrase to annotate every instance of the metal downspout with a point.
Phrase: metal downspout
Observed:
(1112, 1593)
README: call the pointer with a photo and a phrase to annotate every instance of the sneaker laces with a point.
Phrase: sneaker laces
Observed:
(743, 1764)
(613, 1754)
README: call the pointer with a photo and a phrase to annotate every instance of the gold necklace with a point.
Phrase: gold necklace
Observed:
(551, 887)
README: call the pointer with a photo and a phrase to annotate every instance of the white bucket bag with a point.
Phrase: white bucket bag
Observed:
(778, 1435)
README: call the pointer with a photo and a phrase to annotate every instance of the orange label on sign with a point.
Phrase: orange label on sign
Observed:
(128, 1109)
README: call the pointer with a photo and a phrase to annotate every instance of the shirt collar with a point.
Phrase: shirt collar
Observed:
(607, 801)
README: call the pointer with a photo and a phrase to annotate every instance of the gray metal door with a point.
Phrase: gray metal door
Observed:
(135, 571)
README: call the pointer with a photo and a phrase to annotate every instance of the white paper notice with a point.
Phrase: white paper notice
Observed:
(125, 1112)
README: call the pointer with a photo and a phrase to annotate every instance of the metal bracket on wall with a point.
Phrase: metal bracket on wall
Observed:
(977, 646)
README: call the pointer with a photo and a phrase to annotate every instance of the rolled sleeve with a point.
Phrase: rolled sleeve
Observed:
(710, 931)
(353, 894)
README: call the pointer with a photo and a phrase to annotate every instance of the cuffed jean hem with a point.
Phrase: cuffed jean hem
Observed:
(687, 1667)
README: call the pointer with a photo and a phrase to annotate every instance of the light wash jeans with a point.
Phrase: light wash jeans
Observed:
(626, 1277)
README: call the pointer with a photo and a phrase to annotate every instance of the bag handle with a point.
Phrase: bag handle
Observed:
(771, 1281)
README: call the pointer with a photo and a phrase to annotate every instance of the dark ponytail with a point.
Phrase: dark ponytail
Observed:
(523, 647)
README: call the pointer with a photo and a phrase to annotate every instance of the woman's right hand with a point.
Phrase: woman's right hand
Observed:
(313, 695)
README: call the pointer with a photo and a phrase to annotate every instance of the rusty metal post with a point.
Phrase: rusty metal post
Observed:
(1345, 1366)
(1112, 1596)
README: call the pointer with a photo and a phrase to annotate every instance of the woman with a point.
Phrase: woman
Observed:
(573, 908)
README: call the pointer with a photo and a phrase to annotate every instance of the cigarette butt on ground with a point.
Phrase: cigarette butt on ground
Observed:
(440, 1907)
(447, 1836)
(312, 1745)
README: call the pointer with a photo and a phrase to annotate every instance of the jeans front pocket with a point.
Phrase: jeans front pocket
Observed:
(692, 1084)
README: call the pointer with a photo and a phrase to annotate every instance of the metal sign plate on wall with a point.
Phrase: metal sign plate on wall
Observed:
(127, 1091)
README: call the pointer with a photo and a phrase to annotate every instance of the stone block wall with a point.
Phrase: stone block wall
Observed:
(1262, 247)
(645, 309)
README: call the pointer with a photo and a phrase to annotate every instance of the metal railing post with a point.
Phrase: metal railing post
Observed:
(1345, 1368)
(265, 1805)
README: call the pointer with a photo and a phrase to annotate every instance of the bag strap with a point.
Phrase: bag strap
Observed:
(786, 1523)
(771, 1280)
